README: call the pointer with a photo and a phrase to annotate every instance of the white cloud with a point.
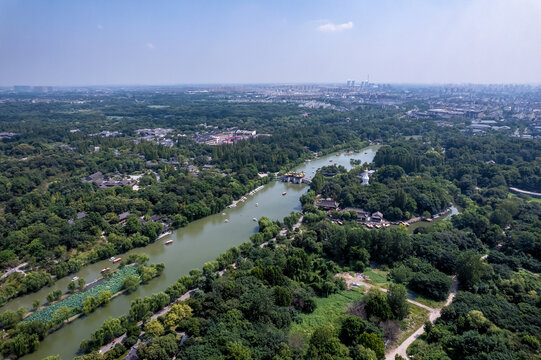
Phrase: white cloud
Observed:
(99, 27)
(330, 27)
(150, 45)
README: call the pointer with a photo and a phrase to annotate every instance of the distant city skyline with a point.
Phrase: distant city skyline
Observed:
(105, 43)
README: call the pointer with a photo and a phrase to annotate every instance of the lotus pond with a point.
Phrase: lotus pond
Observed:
(75, 301)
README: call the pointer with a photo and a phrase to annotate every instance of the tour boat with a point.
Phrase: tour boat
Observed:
(226, 220)
(75, 278)
(103, 271)
(112, 258)
(169, 242)
(256, 204)
(284, 193)
(254, 219)
(117, 260)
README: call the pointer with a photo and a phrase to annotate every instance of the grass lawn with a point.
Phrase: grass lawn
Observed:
(424, 300)
(376, 276)
(329, 311)
(418, 316)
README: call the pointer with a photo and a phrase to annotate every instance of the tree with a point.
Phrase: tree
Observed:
(377, 306)
(133, 225)
(152, 230)
(89, 305)
(95, 355)
(72, 286)
(397, 300)
(104, 297)
(36, 303)
(469, 269)
(325, 345)
(500, 217)
(282, 296)
(154, 328)
(130, 283)
(360, 352)
(352, 327)
(147, 273)
(152, 351)
(177, 313)
(82, 283)
(61, 314)
(374, 342)
(235, 350)
(139, 310)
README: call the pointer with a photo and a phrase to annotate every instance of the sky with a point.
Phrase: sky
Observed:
(133, 42)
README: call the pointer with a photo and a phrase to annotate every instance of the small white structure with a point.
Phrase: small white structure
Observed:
(365, 178)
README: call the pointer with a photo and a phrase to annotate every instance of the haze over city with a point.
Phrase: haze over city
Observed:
(61, 43)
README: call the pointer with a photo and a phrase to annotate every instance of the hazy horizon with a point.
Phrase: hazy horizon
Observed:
(285, 83)
(126, 43)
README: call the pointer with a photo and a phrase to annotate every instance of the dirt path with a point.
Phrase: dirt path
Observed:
(433, 315)
(358, 279)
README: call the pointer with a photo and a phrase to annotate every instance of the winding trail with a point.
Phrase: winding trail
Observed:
(433, 315)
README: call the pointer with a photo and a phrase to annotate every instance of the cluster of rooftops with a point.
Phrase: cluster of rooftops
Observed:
(362, 215)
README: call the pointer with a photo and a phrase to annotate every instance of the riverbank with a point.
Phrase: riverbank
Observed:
(90, 268)
(199, 242)
(73, 306)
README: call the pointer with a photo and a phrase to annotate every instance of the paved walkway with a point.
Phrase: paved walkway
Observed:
(163, 311)
(283, 232)
(15, 269)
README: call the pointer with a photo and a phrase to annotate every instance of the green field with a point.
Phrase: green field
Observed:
(329, 311)
(376, 276)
